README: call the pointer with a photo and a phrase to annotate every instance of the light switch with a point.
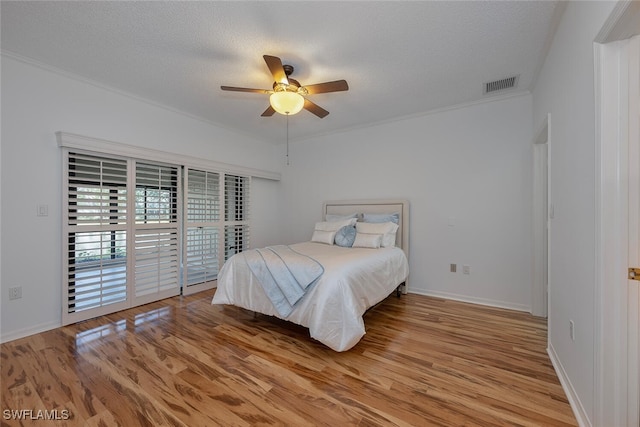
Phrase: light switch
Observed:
(43, 210)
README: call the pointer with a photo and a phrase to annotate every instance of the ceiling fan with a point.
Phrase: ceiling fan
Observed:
(288, 96)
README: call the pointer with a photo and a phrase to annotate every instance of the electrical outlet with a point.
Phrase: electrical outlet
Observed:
(572, 330)
(453, 268)
(466, 269)
(15, 292)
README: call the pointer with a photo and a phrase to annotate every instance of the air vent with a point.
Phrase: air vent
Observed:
(502, 84)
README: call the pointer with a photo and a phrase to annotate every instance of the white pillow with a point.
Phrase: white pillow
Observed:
(334, 225)
(320, 236)
(333, 217)
(367, 241)
(386, 229)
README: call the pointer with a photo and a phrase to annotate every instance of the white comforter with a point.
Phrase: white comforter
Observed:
(354, 280)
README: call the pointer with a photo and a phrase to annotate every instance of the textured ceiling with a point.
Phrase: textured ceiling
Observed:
(400, 58)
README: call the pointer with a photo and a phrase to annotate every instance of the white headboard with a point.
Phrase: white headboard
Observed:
(381, 206)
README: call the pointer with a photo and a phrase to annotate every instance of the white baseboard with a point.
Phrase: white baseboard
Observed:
(578, 410)
(472, 300)
(32, 330)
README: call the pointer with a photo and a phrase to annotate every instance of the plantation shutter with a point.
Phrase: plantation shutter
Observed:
(95, 225)
(133, 234)
(156, 243)
(202, 231)
(236, 230)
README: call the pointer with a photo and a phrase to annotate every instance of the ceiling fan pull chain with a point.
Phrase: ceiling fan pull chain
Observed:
(287, 140)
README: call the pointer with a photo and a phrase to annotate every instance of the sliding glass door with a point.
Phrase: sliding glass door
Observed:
(122, 234)
(139, 231)
(200, 258)
(156, 231)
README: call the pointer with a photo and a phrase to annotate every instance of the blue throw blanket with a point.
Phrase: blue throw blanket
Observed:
(285, 275)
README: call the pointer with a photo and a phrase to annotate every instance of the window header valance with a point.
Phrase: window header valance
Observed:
(79, 142)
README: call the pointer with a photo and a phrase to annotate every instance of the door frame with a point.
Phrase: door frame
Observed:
(633, 305)
(616, 393)
(540, 216)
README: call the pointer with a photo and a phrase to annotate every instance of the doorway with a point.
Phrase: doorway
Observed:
(541, 214)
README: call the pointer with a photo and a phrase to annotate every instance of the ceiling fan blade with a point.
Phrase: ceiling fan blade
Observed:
(277, 70)
(268, 112)
(336, 86)
(244, 89)
(315, 109)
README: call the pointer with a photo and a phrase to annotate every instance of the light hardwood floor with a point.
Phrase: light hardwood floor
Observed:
(183, 362)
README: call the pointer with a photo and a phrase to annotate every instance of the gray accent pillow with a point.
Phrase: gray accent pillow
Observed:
(345, 236)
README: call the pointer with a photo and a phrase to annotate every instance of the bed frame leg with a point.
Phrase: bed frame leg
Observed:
(399, 290)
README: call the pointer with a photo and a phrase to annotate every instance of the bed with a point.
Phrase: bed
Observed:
(352, 279)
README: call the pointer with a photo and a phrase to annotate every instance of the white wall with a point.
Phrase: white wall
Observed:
(35, 104)
(565, 89)
(471, 165)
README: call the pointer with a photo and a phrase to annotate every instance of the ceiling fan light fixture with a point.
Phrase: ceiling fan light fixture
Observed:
(286, 103)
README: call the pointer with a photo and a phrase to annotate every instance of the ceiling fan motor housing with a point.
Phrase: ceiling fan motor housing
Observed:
(293, 86)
